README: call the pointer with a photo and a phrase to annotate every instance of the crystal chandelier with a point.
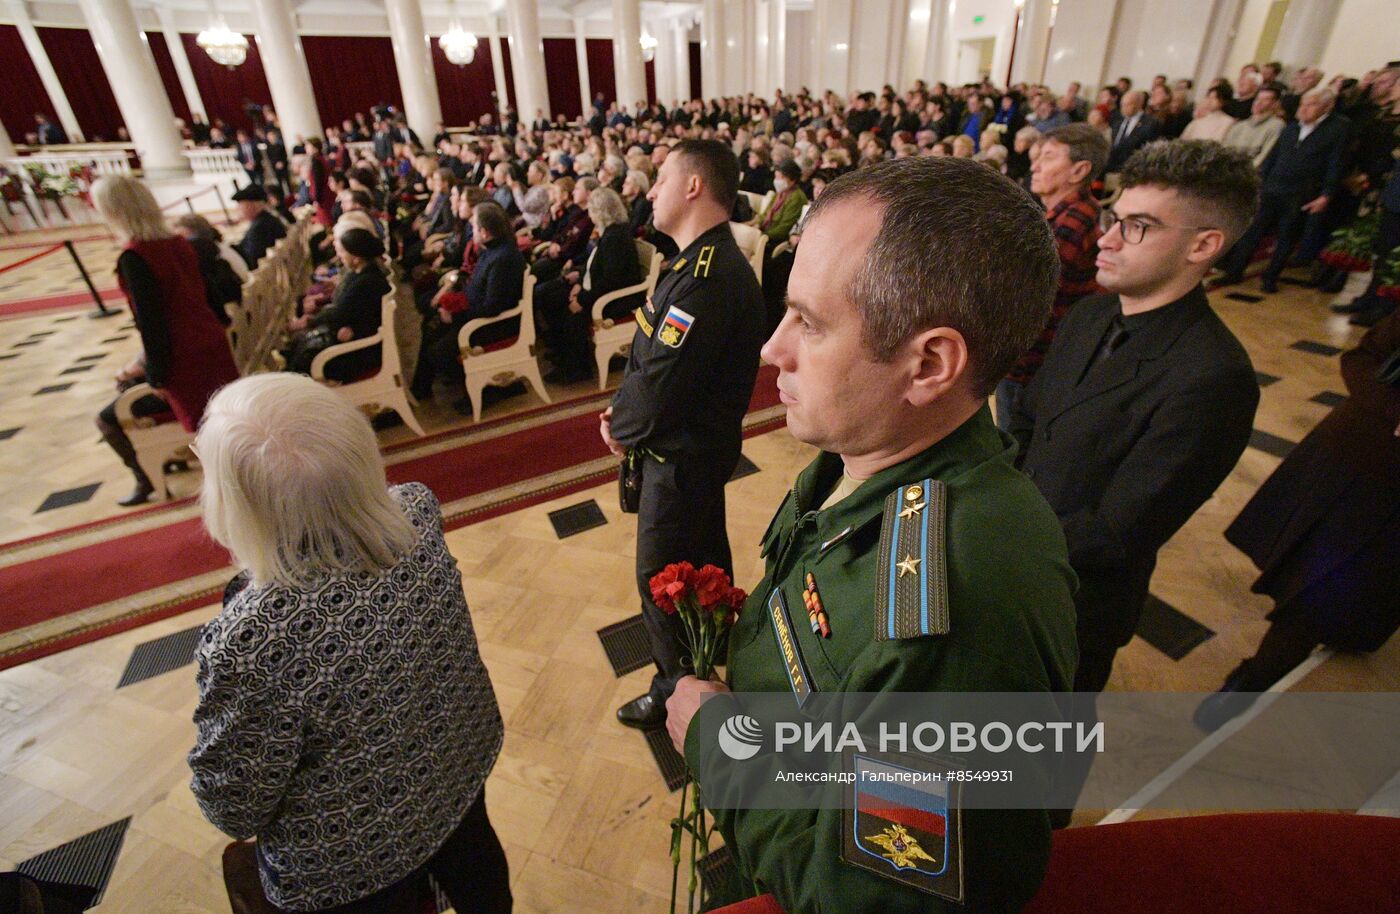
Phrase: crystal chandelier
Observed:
(224, 45)
(648, 44)
(458, 45)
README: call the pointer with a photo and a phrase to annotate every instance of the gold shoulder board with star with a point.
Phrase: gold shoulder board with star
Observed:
(911, 582)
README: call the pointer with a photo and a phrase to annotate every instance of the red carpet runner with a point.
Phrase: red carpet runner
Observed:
(126, 566)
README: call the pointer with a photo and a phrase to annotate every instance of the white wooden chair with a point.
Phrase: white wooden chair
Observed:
(785, 245)
(154, 442)
(508, 364)
(610, 337)
(386, 389)
(757, 201)
(751, 242)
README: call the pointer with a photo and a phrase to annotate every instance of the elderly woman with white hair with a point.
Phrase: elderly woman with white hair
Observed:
(564, 305)
(185, 354)
(345, 718)
(635, 188)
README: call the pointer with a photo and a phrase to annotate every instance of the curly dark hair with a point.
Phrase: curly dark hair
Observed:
(1220, 182)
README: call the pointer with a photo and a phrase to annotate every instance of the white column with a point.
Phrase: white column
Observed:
(777, 47)
(712, 50)
(7, 148)
(585, 91)
(287, 73)
(1303, 34)
(680, 42)
(662, 61)
(413, 60)
(498, 69)
(1032, 42)
(627, 52)
(831, 61)
(182, 62)
(527, 57)
(1220, 39)
(936, 47)
(761, 44)
(66, 118)
(135, 81)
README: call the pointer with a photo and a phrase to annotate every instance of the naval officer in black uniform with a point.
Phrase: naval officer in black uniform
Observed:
(680, 409)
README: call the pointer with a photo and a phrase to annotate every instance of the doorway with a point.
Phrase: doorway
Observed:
(975, 59)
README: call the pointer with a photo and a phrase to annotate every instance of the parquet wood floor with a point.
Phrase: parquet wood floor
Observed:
(576, 798)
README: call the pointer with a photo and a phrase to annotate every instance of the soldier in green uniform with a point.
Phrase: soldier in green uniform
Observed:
(937, 566)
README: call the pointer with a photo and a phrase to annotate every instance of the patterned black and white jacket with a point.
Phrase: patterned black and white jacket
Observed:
(350, 726)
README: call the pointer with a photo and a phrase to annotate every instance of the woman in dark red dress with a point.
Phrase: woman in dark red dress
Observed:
(185, 352)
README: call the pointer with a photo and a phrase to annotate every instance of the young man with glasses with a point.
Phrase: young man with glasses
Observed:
(1145, 400)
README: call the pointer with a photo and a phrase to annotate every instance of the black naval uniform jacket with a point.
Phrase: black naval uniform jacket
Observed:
(694, 357)
(1126, 452)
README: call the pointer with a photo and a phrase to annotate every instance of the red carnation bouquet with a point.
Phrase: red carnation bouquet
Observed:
(707, 604)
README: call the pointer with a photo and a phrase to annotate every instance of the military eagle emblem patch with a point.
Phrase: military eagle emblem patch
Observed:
(903, 822)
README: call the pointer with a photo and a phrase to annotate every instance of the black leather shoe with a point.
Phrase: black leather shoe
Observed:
(1221, 708)
(1371, 316)
(645, 713)
(1360, 303)
(138, 495)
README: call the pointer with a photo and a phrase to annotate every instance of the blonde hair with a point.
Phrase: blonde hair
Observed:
(294, 486)
(130, 208)
(606, 208)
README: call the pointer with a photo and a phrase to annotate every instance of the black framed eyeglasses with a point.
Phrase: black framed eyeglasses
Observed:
(1134, 230)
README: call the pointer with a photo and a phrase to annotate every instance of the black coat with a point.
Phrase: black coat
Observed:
(1311, 167)
(1127, 457)
(263, 232)
(1324, 529)
(1144, 131)
(614, 265)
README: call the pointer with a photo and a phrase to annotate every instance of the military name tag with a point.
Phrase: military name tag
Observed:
(799, 677)
(903, 822)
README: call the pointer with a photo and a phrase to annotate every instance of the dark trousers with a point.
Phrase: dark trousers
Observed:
(1090, 678)
(438, 354)
(1387, 239)
(115, 436)
(1287, 643)
(562, 331)
(470, 867)
(1280, 215)
(681, 519)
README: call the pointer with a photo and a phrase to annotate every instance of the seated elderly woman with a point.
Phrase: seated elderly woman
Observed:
(354, 312)
(345, 718)
(564, 305)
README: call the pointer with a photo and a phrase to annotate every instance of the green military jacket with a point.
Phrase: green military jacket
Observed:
(1007, 625)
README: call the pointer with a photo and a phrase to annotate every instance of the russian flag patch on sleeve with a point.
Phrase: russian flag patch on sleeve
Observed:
(674, 328)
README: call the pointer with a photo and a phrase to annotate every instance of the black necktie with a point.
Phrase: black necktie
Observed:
(1114, 337)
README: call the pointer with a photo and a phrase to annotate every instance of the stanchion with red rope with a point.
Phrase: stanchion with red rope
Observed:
(102, 309)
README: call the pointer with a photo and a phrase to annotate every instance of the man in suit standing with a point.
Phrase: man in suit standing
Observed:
(249, 156)
(402, 133)
(50, 134)
(1133, 128)
(277, 158)
(383, 142)
(1145, 400)
(1302, 173)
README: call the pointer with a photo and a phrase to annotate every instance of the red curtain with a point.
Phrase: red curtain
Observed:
(651, 81)
(561, 72)
(351, 75)
(510, 76)
(74, 58)
(695, 70)
(225, 91)
(168, 77)
(600, 69)
(24, 93)
(465, 92)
